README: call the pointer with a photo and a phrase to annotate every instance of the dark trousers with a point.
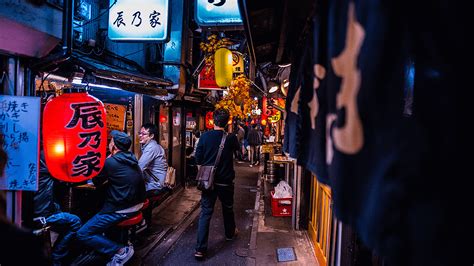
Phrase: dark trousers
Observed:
(208, 199)
(66, 225)
(90, 233)
(148, 212)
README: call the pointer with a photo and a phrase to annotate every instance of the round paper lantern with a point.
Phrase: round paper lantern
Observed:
(223, 67)
(74, 136)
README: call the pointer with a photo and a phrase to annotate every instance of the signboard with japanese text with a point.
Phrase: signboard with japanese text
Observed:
(207, 79)
(269, 112)
(138, 20)
(19, 125)
(237, 62)
(115, 117)
(218, 13)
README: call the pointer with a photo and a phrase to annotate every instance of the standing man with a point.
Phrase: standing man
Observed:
(124, 197)
(240, 139)
(254, 140)
(206, 154)
(153, 160)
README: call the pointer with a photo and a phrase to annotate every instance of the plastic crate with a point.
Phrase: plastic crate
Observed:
(281, 206)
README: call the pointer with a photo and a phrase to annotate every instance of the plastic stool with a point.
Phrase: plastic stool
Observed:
(126, 227)
(146, 203)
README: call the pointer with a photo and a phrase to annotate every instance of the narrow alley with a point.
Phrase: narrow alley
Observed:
(251, 247)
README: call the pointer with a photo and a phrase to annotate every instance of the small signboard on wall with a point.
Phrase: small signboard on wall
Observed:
(138, 20)
(19, 125)
(115, 117)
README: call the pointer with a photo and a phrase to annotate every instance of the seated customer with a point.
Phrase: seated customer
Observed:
(125, 193)
(153, 161)
(63, 223)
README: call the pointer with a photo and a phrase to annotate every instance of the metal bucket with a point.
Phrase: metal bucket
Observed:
(270, 176)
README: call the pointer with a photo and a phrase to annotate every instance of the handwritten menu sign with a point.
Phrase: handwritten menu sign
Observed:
(19, 125)
(115, 117)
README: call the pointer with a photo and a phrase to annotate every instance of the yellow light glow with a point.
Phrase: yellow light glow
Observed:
(58, 148)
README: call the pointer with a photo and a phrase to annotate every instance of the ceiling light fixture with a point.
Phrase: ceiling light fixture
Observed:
(273, 86)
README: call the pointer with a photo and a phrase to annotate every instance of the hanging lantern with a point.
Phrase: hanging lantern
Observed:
(223, 67)
(74, 135)
(209, 120)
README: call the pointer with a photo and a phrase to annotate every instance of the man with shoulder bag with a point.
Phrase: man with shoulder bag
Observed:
(214, 155)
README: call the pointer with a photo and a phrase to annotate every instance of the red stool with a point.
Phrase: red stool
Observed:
(126, 228)
(146, 203)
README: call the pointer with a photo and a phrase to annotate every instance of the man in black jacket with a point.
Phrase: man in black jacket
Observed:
(124, 197)
(206, 154)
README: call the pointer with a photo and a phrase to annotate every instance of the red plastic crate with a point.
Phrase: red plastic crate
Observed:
(281, 206)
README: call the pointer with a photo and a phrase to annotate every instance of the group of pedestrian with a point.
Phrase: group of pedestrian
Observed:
(250, 139)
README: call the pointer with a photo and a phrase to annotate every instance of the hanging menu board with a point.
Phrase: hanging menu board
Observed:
(115, 116)
(19, 125)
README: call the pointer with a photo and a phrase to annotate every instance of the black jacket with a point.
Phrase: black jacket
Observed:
(206, 153)
(254, 138)
(44, 201)
(125, 186)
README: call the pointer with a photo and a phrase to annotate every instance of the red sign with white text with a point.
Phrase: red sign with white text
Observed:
(207, 79)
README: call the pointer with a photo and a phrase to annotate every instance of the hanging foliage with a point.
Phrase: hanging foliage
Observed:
(210, 47)
(237, 101)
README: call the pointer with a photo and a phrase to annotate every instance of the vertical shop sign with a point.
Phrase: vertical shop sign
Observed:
(74, 136)
(270, 112)
(237, 63)
(218, 13)
(138, 20)
(209, 120)
(19, 125)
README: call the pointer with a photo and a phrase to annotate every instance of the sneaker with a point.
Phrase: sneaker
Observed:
(250, 165)
(257, 163)
(120, 259)
(236, 232)
(199, 255)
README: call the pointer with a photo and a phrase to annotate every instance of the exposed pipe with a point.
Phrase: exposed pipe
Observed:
(67, 33)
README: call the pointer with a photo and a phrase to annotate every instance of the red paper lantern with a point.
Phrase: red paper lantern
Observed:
(209, 120)
(74, 136)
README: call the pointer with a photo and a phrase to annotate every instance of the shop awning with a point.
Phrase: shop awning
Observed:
(124, 78)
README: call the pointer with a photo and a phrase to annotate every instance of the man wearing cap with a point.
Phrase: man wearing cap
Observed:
(125, 193)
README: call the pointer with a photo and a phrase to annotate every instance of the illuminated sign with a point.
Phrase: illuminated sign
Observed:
(207, 79)
(218, 12)
(138, 20)
(237, 62)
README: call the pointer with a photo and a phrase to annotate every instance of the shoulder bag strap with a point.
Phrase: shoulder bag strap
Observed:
(149, 173)
(221, 147)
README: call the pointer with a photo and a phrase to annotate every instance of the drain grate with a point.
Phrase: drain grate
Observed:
(286, 254)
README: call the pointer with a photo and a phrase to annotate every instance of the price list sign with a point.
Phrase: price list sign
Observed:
(19, 125)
